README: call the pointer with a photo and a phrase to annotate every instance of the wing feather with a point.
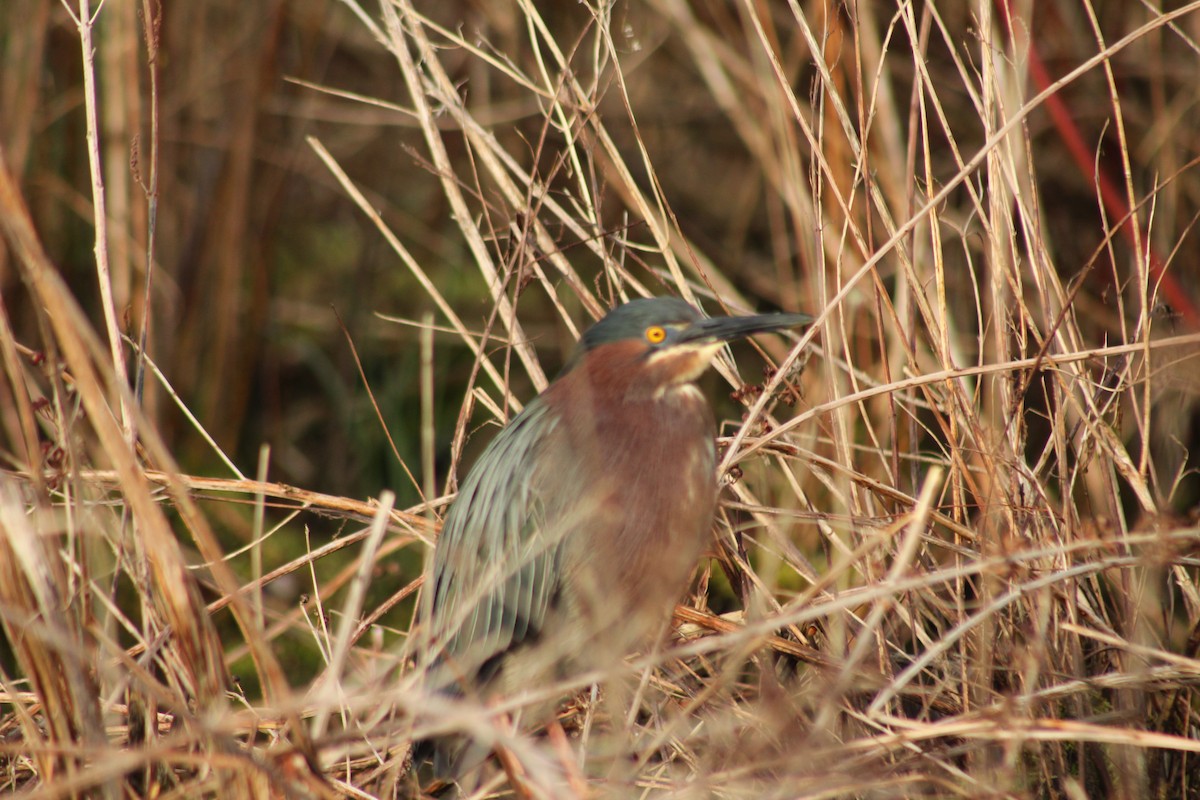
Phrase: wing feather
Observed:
(494, 570)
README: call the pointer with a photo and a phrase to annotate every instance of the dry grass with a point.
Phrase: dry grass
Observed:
(956, 557)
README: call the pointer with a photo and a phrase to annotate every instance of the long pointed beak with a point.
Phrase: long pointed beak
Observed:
(728, 329)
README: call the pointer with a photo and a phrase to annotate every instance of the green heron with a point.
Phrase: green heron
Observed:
(579, 526)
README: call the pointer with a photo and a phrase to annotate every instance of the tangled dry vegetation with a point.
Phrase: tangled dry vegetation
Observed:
(956, 554)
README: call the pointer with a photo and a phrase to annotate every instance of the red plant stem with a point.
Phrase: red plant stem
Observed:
(1110, 195)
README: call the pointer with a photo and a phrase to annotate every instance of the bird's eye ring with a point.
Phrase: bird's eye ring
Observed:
(655, 334)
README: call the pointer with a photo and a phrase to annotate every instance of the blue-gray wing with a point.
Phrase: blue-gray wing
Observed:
(496, 567)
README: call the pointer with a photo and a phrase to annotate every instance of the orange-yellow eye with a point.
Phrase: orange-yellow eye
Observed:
(655, 334)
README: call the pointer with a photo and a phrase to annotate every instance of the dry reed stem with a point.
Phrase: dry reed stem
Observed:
(955, 554)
